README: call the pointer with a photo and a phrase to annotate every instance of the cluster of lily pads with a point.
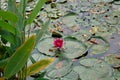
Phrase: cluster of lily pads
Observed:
(84, 26)
(71, 62)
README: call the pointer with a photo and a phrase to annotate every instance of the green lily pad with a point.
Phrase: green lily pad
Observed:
(114, 18)
(113, 59)
(71, 76)
(74, 48)
(94, 69)
(117, 2)
(97, 1)
(106, 31)
(61, 69)
(45, 46)
(117, 74)
(81, 35)
(101, 47)
(107, 0)
(85, 6)
(69, 21)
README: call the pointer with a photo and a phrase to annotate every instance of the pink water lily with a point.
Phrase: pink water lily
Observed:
(58, 43)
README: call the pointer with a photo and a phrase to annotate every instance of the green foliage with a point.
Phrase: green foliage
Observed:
(9, 16)
(42, 31)
(38, 66)
(35, 11)
(7, 27)
(9, 37)
(19, 57)
(3, 62)
(15, 48)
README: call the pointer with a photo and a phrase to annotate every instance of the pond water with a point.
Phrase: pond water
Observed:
(70, 16)
(101, 18)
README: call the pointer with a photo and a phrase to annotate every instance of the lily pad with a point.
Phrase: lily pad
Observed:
(114, 18)
(113, 59)
(71, 76)
(61, 69)
(85, 6)
(107, 1)
(94, 69)
(97, 1)
(69, 21)
(45, 46)
(117, 2)
(81, 35)
(101, 45)
(74, 48)
(117, 74)
(106, 31)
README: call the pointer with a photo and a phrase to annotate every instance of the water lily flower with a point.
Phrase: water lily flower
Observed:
(58, 43)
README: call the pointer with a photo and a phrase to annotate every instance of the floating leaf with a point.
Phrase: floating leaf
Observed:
(74, 48)
(81, 35)
(117, 74)
(85, 5)
(107, 1)
(98, 1)
(46, 46)
(101, 47)
(62, 68)
(113, 59)
(106, 31)
(71, 76)
(94, 69)
(69, 21)
(117, 2)
(113, 17)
